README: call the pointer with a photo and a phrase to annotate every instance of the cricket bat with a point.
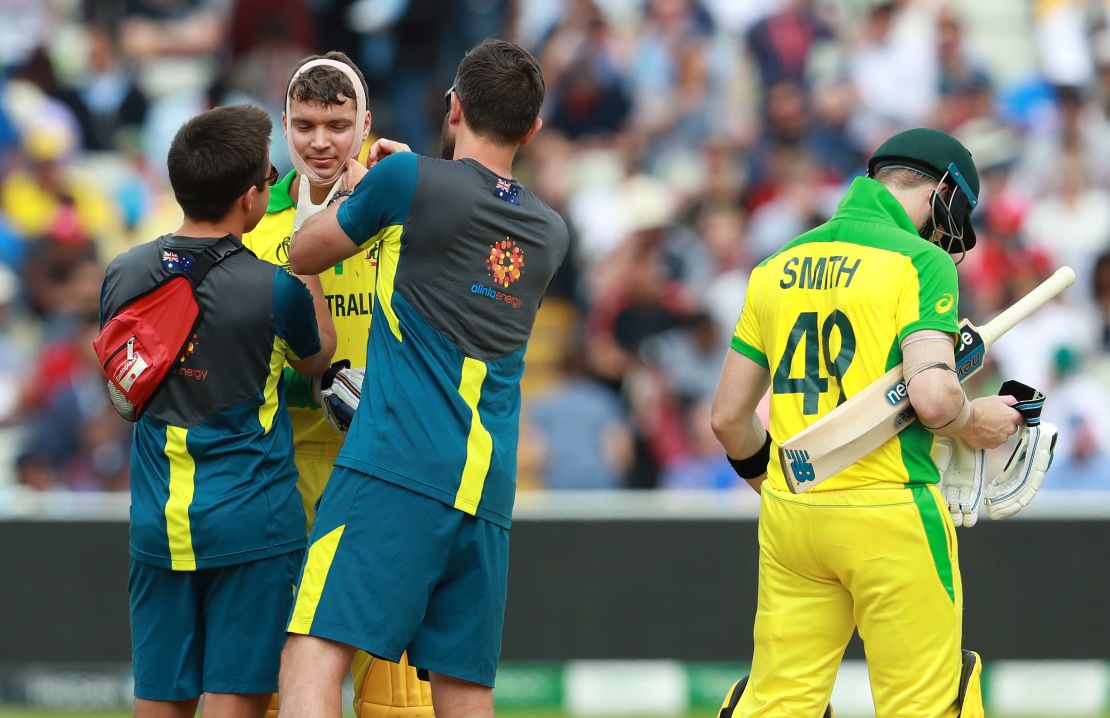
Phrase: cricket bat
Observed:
(880, 410)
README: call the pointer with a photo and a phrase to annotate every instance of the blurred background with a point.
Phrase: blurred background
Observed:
(684, 141)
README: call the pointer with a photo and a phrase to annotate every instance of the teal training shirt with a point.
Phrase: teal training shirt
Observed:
(464, 259)
(212, 475)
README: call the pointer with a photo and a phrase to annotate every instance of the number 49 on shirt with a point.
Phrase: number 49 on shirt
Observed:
(814, 337)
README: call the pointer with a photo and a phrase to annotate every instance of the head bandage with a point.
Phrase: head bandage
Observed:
(360, 120)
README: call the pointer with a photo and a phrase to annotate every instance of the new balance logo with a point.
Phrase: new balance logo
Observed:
(896, 394)
(800, 466)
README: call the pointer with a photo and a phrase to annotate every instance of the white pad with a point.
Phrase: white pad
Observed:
(1015, 487)
(962, 470)
(305, 207)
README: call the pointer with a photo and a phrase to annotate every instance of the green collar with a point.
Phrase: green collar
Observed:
(280, 199)
(869, 201)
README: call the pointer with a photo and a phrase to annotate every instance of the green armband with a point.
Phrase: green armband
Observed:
(298, 389)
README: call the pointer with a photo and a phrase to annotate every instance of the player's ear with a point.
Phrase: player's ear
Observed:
(284, 124)
(248, 198)
(532, 132)
(455, 114)
(366, 126)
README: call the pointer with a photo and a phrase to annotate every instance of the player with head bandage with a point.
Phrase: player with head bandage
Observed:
(326, 125)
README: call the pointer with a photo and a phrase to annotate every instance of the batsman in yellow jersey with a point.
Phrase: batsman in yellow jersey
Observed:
(873, 547)
(326, 123)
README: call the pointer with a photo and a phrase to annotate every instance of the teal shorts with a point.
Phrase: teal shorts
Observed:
(216, 630)
(389, 569)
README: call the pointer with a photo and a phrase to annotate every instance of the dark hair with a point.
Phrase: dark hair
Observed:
(500, 86)
(216, 157)
(325, 84)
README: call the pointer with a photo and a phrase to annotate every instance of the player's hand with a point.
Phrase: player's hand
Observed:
(1014, 488)
(384, 148)
(353, 172)
(993, 420)
(961, 478)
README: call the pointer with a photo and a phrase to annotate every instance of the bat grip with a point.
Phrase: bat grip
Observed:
(1060, 280)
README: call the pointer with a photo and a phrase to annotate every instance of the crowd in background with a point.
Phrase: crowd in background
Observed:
(684, 141)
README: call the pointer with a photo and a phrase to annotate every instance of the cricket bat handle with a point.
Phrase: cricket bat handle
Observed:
(1060, 280)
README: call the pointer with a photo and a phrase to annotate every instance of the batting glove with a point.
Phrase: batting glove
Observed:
(1015, 487)
(962, 469)
(340, 391)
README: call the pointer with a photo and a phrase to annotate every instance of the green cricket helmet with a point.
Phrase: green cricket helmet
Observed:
(941, 157)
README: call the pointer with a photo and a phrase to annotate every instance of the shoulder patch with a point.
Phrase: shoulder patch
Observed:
(176, 262)
(507, 190)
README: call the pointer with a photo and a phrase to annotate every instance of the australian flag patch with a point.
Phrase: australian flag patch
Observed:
(508, 191)
(176, 263)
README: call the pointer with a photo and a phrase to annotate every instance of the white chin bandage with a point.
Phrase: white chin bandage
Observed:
(360, 122)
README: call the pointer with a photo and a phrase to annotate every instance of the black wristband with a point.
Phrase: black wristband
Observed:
(755, 465)
(341, 193)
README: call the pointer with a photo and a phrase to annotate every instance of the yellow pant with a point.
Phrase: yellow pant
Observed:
(314, 461)
(382, 689)
(882, 560)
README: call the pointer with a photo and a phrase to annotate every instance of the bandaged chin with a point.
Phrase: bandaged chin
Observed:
(360, 121)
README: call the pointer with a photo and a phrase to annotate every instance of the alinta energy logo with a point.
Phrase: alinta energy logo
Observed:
(505, 264)
(191, 372)
(190, 347)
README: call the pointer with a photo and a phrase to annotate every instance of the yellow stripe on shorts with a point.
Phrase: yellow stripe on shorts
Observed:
(479, 443)
(178, 529)
(320, 556)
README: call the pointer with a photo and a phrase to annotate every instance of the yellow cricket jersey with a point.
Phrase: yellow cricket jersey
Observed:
(826, 316)
(348, 288)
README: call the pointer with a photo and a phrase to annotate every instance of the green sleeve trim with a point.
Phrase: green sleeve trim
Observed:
(750, 352)
(936, 534)
(298, 389)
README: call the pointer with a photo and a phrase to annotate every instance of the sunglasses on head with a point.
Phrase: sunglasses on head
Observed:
(447, 96)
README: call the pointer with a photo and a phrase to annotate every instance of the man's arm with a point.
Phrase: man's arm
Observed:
(939, 401)
(320, 243)
(742, 385)
(378, 199)
(301, 318)
(317, 363)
